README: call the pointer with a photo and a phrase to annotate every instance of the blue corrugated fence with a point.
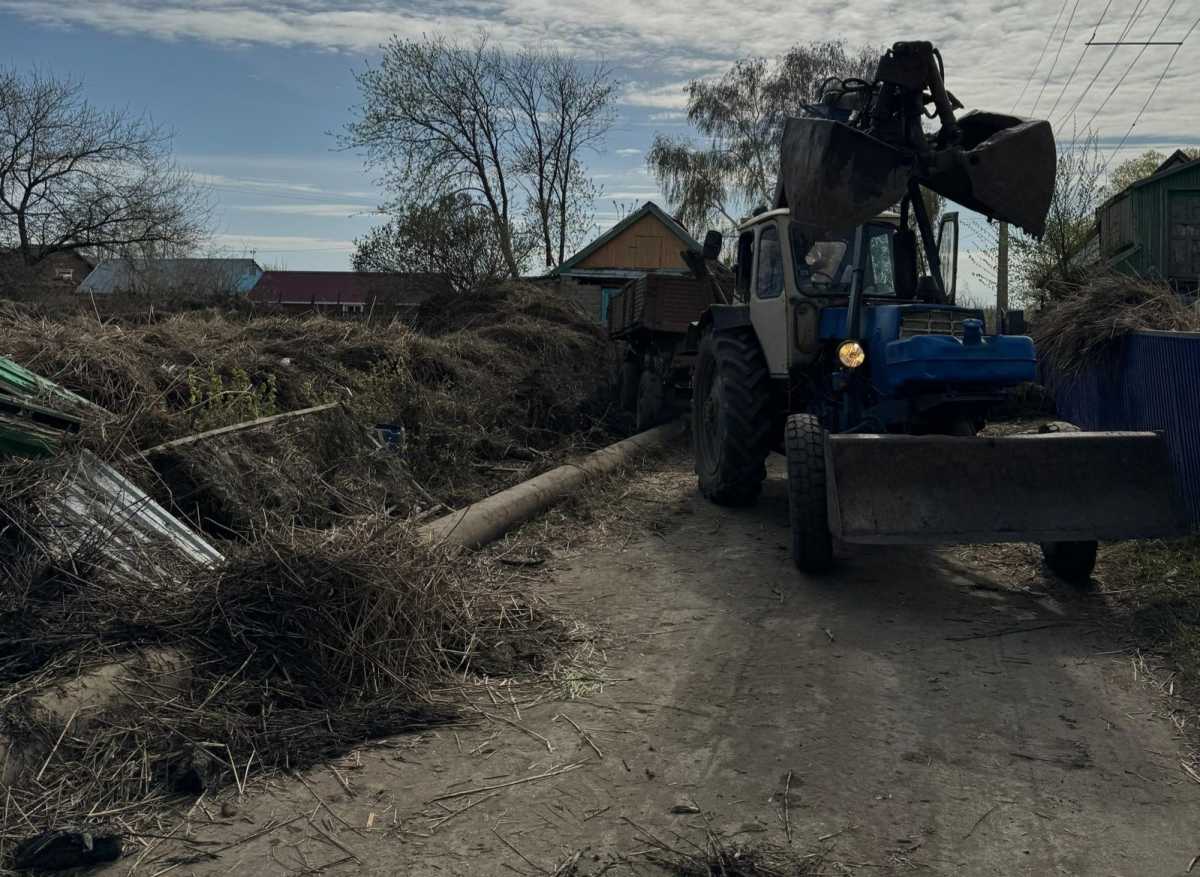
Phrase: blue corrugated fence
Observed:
(1151, 383)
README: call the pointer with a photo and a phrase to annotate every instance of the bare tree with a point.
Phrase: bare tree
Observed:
(440, 118)
(563, 108)
(1041, 269)
(741, 115)
(74, 177)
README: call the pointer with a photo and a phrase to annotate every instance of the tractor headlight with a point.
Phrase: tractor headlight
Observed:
(851, 354)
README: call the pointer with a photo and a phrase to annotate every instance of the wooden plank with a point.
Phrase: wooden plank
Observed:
(237, 427)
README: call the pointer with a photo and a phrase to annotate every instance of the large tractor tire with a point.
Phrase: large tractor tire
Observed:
(812, 543)
(731, 417)
(627, 392)
(1071, 561)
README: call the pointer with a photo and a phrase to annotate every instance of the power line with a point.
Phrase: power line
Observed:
(1079, 60)
(1049, 37)
(1138, 9)
(1057, 55)
(1132, 64)
(1150, 96)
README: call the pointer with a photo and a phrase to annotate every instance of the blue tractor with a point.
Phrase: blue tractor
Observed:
(841, 347)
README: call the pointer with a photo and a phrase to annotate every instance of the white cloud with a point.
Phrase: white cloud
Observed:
(279, 244)
(331, 210)
(628, 151)
(635, 194)
(671, 96)
(670, 116)
(991, 47)
(269, 187)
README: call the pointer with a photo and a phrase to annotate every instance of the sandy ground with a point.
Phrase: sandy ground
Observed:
(908, 713)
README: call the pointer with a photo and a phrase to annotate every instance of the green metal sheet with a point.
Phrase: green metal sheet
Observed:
(35, 414)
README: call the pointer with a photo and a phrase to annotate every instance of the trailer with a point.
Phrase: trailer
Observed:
(648, 323)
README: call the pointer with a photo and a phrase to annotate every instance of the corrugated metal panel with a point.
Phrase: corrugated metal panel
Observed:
(1152, 382)
(99, 506)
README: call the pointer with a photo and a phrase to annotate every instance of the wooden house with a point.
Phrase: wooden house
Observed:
(1152, 228)
(647, 240)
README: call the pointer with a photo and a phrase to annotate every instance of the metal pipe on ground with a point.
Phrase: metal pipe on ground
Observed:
(489, 519)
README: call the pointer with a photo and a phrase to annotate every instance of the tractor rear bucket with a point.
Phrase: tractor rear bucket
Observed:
(834, 177)
(1060, 487)
(1004, 170)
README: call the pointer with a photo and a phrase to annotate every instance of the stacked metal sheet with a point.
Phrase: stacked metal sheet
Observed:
(35, 414)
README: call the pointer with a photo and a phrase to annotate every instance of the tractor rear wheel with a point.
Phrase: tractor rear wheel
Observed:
(1071, 561)
(812, 543)
(731, 416)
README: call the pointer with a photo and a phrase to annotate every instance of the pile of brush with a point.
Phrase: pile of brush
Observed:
(330, 621)
(513, 373)
(298, 648)
(1082, 327)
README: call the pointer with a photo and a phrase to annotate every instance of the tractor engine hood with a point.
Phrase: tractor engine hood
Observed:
(914, 348)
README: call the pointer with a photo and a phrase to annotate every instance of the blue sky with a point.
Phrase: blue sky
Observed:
(253, 90)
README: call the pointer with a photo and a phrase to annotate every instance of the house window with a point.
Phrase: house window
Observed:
(606, 295)
(352, 308)
(67, 275)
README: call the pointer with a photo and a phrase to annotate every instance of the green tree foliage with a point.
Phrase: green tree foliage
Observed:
(507, 130)
(450, 235)
(741, 118)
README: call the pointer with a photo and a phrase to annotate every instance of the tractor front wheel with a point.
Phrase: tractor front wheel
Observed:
(812, 543)
(731, 417)
(1071, 561)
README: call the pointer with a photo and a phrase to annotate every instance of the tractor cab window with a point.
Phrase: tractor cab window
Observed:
(821, 266)
(768, 279)
(879, 273)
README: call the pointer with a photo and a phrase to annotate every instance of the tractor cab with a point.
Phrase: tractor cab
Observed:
(866, 336)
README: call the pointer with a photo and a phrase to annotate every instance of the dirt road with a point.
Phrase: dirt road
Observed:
(904, 714)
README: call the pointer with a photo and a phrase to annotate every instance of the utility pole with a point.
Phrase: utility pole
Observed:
(1002, 279)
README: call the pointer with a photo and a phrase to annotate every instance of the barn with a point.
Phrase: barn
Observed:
(647, 240)
(1152, 228)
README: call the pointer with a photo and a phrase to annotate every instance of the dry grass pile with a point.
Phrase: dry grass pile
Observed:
(1153, 588)
(301, 646)
(330, 622)
(1080, 329)
(514, 373)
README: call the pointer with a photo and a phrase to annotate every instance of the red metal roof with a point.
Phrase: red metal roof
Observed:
(344, 287)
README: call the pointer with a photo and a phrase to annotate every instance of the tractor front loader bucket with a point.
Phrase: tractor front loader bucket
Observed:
(834, 177)
(1060, 487)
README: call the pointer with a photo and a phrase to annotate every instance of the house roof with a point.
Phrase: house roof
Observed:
(345, 287)
(1176, 157)
(647, 209)
(82, 255)
(113, 275)
(1177, 162)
